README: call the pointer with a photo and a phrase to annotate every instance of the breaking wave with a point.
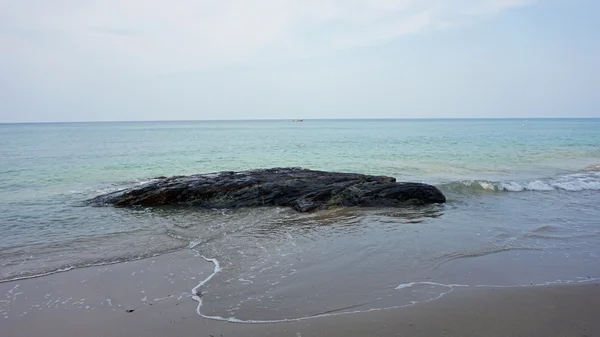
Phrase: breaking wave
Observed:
(589, 180)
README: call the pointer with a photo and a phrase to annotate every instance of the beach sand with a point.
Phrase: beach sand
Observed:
(152, 298)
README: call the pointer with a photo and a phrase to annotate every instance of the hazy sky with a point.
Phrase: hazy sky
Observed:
(83, 60)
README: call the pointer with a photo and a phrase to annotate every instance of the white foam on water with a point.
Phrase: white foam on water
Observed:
(14, 288)
(61, 270)
(538, 185)
(197, 296)
(579, 183)
(543, 284)
(487, 185)
(592, 168)
(38, 275)
(161, 298)
(512, 186)
(570, 182)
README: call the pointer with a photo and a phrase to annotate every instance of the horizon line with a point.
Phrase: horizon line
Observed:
(296, 119)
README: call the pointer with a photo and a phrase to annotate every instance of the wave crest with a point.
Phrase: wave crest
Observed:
(591, 168)
(570, 182)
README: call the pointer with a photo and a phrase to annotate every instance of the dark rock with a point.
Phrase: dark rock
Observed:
(302, 189)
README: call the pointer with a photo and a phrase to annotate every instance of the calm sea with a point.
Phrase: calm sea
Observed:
(522, 207)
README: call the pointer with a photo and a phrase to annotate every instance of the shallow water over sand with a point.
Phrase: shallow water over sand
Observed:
(521, 208)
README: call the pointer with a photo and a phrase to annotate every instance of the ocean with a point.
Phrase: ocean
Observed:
(522, 208)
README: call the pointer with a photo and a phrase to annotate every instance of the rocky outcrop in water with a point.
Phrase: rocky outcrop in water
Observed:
(302, 189)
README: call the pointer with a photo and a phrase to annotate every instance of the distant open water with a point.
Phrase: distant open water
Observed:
(522, 207)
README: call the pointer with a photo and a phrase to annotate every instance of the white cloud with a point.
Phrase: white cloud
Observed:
(69, 35)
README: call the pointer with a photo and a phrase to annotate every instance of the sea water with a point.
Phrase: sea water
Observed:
(522, 208)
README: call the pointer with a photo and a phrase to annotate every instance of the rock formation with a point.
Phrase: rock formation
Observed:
(302, 189)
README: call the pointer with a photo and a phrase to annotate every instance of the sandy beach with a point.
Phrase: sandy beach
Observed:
(300, 168)
(152, 297)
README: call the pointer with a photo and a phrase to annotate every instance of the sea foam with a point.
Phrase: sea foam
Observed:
(571, 182)
(448, 288)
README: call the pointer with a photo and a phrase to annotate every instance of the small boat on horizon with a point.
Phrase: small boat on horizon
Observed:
(297, 120)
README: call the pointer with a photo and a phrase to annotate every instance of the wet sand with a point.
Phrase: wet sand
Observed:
(152, 298)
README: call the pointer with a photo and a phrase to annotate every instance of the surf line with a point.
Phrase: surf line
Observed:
(196, 292)
(197, 296)
(69, 268)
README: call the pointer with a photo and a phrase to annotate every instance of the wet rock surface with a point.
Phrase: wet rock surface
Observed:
(302, 189)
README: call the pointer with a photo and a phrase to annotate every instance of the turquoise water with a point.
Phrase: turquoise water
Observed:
(519, 191)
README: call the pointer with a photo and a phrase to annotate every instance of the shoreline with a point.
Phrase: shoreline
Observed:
(153, 297)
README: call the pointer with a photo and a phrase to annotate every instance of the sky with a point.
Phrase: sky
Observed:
(113, 60)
